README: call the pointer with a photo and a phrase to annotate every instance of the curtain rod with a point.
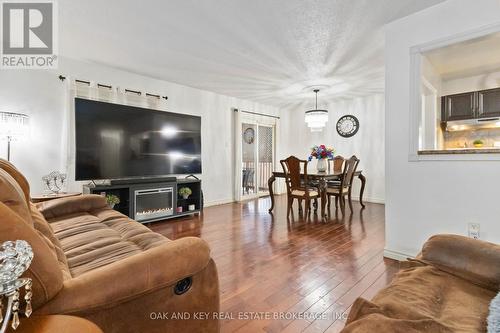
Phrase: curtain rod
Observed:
(256, 113)
(100, 85)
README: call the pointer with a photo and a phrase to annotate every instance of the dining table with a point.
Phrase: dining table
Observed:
(322, 178)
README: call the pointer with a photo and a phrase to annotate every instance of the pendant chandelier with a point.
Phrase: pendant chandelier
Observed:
(316, 119)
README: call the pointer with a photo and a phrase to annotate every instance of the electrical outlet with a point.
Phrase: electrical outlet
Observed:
(474, 230)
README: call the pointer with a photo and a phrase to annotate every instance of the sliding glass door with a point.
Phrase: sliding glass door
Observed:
(256, 155)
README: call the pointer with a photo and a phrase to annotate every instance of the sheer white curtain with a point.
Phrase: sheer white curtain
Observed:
(92, 90)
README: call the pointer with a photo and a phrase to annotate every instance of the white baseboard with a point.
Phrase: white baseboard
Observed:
(399, 256)
(226, 201)
(370, 199)
(217, 202)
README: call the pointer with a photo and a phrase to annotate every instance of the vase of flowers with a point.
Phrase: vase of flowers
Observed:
(322, 154)
(322, 165)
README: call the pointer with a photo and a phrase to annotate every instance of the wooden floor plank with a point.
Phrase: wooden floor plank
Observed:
(287, 267)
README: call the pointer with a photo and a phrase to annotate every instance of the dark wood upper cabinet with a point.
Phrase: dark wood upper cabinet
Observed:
(488, 103)
(458, 106)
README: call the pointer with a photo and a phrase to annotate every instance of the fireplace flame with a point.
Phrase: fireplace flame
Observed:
(149, 212)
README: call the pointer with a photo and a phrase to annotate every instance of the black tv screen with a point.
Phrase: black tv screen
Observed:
(118, 141)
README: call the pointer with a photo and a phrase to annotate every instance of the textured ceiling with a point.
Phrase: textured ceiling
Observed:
(263, 50)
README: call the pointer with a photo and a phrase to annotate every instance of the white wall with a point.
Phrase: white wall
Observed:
(471, 83)
(428, 197)
(367, 144)
(430, 74)
(431, 135)
(40, 94)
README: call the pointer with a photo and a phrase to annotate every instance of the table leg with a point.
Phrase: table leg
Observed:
(270, 183)
(322, 189)
(362, 190)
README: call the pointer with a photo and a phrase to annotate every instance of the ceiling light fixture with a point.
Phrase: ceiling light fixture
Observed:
(316, 119)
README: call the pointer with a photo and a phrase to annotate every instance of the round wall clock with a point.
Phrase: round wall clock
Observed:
(249, 135)
(347, 126)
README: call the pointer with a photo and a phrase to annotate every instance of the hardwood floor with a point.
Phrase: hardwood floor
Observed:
(269, 266)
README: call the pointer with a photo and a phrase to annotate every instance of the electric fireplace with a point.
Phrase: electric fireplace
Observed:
(153, 204)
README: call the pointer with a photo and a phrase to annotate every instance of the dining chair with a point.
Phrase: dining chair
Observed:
(247, 180)
(296, 185)
(339, 191)
(335, 165)
(250, 180)
(244, 181)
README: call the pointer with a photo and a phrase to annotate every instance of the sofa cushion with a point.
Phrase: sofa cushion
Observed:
(46, 232)
(57, 323)
(44, 269)
(474, 260)
(71, 205)
(99, 237)
(423, 299)
(18, 177)
(12, 196)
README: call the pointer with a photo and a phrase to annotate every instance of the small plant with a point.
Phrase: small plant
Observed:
(478, 142)
(185, 192)
(112, 200)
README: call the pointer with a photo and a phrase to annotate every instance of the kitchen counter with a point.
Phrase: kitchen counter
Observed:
(485, 150)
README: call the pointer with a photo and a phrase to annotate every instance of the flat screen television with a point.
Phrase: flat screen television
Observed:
(116, 141)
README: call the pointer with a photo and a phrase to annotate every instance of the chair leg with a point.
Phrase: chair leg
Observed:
(336, 202)
(289, 206)
(315, 204)
(350, 201)
(300, 204)
(342, 204)
(329, 202)
(308, 208)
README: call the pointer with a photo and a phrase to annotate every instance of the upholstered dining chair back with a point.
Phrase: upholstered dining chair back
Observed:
(292, 167)
(350, 167)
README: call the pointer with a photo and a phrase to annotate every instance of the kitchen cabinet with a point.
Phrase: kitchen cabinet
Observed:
(488, 103)
(459, 106)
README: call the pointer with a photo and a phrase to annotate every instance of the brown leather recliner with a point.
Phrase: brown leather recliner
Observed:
(93, 262)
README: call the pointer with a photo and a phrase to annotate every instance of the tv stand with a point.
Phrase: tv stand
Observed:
(152, 199)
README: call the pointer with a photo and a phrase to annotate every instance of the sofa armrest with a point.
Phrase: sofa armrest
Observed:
(65, 206)
(471, 259)
(131, 277)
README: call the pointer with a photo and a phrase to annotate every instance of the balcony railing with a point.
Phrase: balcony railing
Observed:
(265, 170)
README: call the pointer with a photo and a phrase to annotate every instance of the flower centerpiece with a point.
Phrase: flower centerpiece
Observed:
(322, 154)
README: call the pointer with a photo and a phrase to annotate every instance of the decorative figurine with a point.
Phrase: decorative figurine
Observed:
(54, 181)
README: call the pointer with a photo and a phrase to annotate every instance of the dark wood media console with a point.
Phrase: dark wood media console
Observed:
(153, 201)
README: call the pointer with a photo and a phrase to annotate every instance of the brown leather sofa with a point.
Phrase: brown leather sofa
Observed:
(93, 262)
(447, 288)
